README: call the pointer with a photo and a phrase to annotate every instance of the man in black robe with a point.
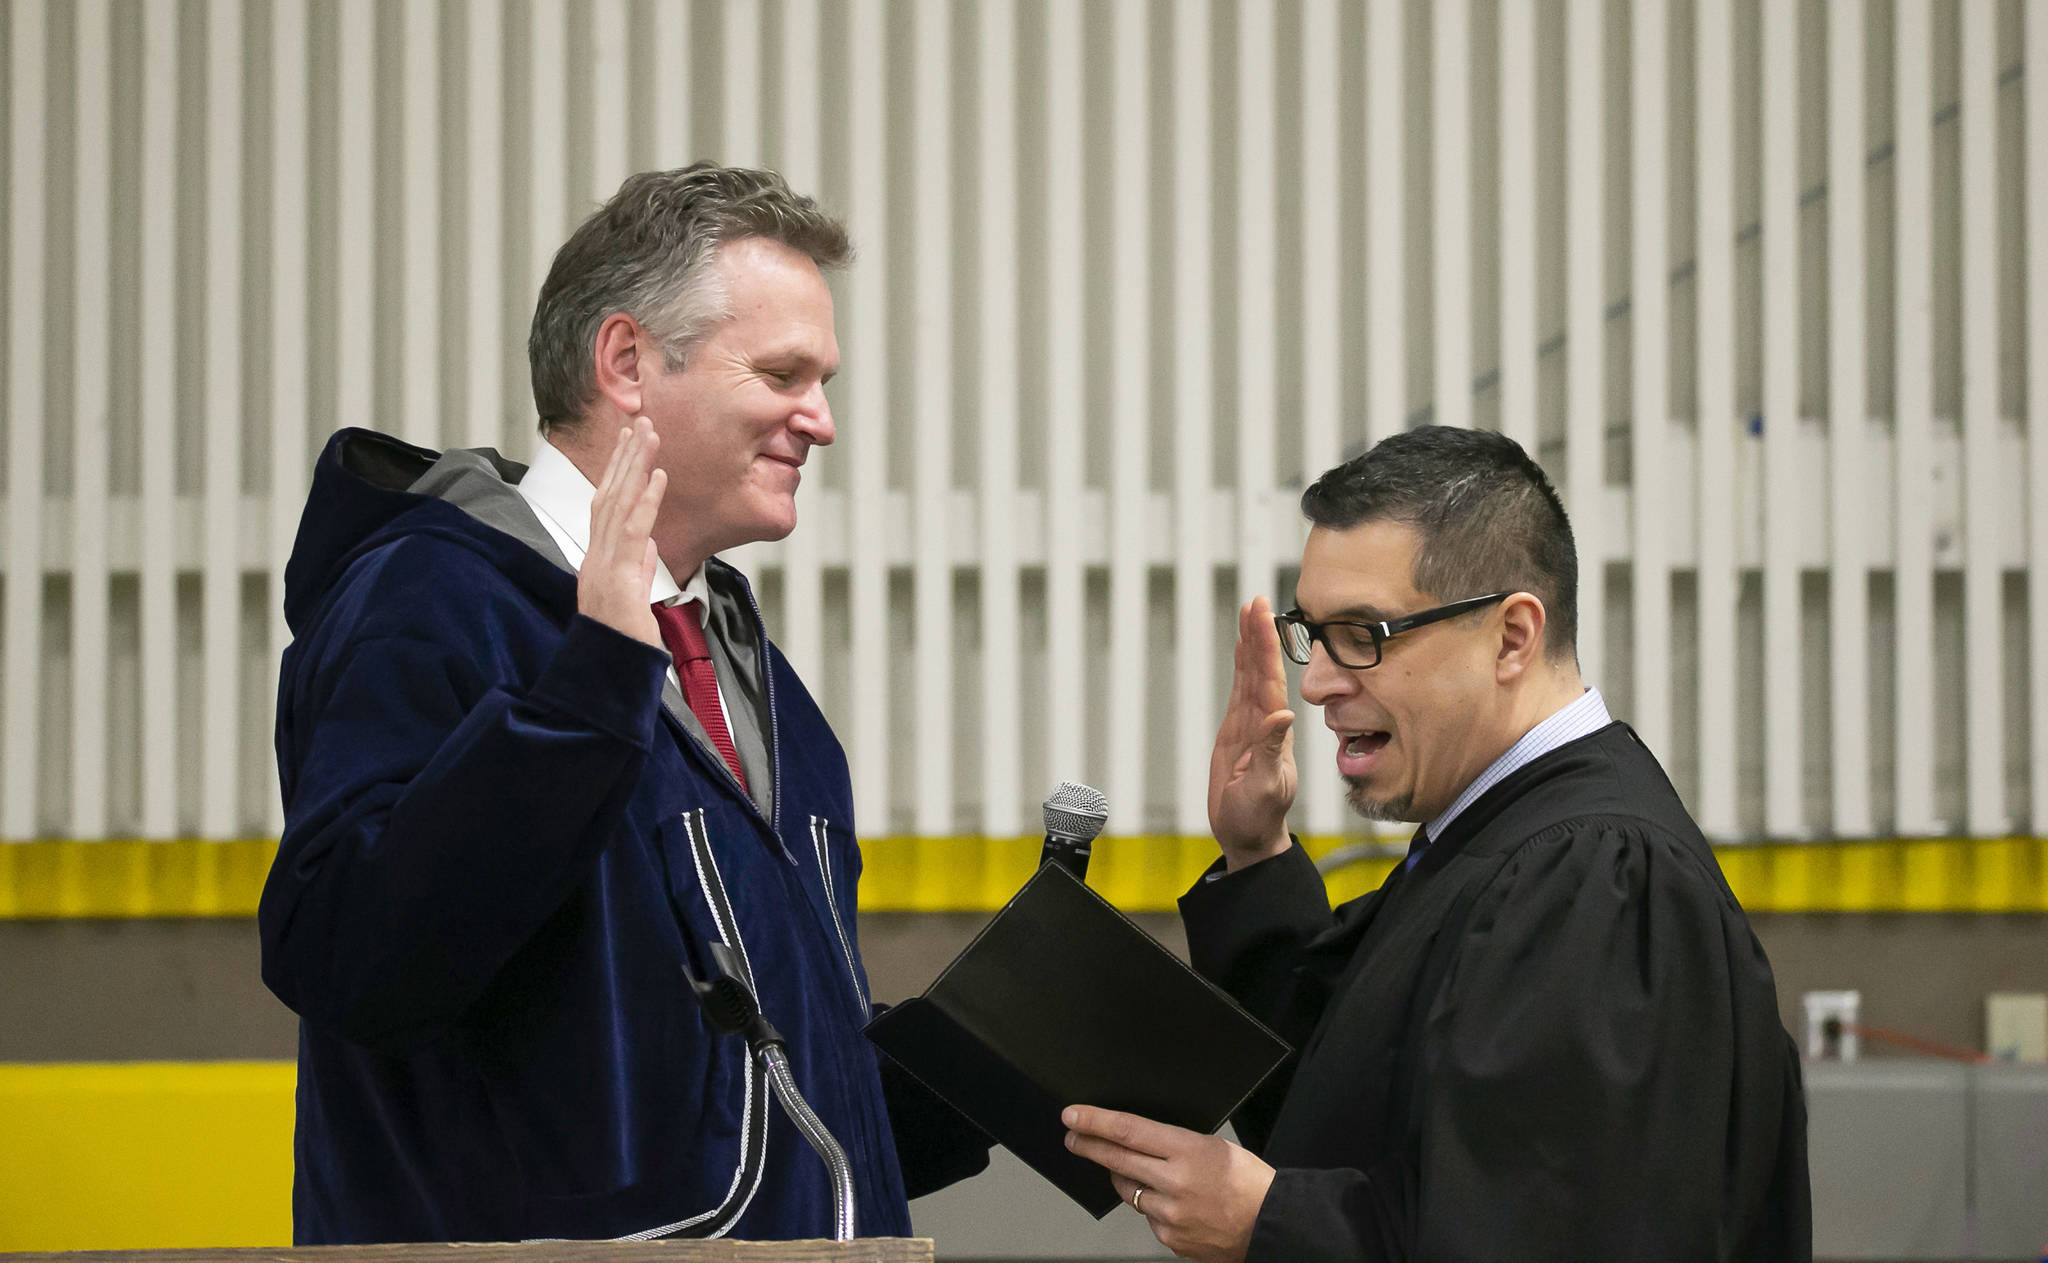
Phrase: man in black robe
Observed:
(1551, 1033)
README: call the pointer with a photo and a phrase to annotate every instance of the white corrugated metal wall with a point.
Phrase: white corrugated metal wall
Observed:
(1759, 281)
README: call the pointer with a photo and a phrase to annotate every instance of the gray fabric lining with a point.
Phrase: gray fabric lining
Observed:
(484, 485)
(736, 653)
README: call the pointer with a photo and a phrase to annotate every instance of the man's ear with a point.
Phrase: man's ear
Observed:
(1521, 636)
(620, 363)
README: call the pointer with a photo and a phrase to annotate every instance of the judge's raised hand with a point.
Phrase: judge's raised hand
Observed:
(1251, 772)
(1199, 1194)
(617, 577)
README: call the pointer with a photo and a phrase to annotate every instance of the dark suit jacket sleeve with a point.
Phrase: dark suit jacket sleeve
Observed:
(436, 817)
(1249, 932)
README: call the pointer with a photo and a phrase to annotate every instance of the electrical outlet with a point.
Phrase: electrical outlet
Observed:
(2016, 1026)
(1831, 1025)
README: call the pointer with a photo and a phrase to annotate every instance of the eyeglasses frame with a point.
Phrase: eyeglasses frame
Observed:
(1381, 632)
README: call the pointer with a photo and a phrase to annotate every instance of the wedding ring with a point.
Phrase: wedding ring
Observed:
(1137, 1193)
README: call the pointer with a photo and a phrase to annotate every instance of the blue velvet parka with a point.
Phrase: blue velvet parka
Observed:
(501, 851)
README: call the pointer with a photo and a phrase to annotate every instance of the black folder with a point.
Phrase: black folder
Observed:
(1062, 1000)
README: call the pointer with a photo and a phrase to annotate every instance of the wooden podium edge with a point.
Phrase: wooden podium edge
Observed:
(863, 1250)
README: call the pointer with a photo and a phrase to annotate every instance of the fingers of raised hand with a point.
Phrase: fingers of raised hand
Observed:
(645, 506)
(606, 494)
(620, 445)
(649, 557)
(613, 583)
(1275, 731)
(625, 481)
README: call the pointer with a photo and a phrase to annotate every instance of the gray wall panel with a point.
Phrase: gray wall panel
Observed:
(2009, 1143)
(1889, 1154)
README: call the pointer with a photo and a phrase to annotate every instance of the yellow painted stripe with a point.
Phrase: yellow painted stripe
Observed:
(145, 1155)
(1147, 873)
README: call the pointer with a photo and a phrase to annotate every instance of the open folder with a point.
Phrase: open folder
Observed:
(1062, 1000)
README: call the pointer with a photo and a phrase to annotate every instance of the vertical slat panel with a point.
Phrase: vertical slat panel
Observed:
(672, 143)
(1783, 748)
(484, 321)
(546, 135)
(289, 397)
(1649, 331)
(355, 292)
(1130, 428)
(802, 638)
(211, 768)
(1255, 303)
(27, 118)
(1913, 464)
(2036, 90)
(1518, 223)
(610, 123)
(158, 327)
(1065, 400)
(421, 372)
(1194, 708)
(934, 420)
(1322, 347)
(355, 175)
(1718, 578)
(1983, 507)
(1451, 128)
(1385, 224)
(867, 88)
(997, 407)
(221, 570)
(1585, 301)
(1848, 586)
(94, 150)
(743, 83)
(356, 91)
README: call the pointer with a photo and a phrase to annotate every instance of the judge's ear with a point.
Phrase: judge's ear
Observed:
(621, 357)
(1521, 636)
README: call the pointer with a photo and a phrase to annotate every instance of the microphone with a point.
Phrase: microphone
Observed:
(1074, 816)
(730, 1005)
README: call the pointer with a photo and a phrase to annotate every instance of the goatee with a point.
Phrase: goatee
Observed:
(1388, 810)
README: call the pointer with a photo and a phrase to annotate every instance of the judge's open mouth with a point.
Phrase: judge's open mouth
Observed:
(1358, 752)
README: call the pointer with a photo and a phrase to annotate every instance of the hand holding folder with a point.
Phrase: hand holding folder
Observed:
(1061, 999)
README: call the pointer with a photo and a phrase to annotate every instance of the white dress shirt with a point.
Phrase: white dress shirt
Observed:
(561, 498)
(1581, 718)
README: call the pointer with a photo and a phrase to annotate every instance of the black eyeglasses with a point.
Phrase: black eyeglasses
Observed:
(1356, 646)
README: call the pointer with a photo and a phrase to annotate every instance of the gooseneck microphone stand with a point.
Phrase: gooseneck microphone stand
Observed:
(731, 1007)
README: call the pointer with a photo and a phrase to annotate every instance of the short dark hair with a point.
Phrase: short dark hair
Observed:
(648, 252)
(1488, 519)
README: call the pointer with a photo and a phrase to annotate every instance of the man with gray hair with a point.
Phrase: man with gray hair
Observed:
(539, 756)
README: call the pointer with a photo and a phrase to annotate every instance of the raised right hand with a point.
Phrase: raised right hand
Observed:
(617, 577)
(1252, 775)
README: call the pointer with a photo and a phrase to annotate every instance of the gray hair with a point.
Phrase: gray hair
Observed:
(648, 252)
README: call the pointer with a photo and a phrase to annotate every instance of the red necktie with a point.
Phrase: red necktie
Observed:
(682, 630)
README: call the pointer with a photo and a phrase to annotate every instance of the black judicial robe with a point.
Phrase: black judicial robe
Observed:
(1555, 1037)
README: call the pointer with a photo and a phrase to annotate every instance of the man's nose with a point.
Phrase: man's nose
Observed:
(814, 422)
(1323, 681)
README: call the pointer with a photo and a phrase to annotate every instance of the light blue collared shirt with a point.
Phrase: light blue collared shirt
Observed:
(1581, 718)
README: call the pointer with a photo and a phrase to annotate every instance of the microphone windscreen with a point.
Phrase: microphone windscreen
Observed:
(1076, 811)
